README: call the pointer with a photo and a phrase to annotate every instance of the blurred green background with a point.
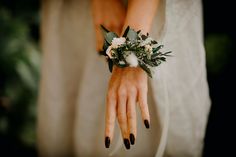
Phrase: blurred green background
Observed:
(19, 75)
(20, 67)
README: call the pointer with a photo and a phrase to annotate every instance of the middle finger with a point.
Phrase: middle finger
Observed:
(131, 115)
(121, 116)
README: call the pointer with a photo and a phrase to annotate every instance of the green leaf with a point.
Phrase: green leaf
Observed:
(162, 59)
(144, 37)
(126, 32)
(157, 48)
(146, 69)
(157, 62)
(122, 65)
(154, 42)
(149, 62)
(132, 35)
(110, 64)
(102, 53)
(109, 36)
(105, 45)
(104, 30)
(167, 53)
(155, 55)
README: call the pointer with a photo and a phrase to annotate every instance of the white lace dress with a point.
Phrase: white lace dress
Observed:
(74, 82)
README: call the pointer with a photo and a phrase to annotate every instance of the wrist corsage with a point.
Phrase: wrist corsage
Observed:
(131, 50)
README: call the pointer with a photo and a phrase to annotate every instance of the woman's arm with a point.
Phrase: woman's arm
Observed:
(127, 86)
(140, 14)
(111, 14)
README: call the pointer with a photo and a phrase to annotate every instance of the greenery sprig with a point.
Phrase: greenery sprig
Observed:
(132, 49)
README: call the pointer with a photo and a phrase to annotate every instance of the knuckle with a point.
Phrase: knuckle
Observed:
(142, 86)
(111, 94)
(132, 91)
(121, 92)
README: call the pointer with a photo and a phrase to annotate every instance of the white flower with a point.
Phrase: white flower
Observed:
(117, 42)
(148, 48)
(132, 60)
(109, 52)
(114, 44)
(146, 41)
(121, 62)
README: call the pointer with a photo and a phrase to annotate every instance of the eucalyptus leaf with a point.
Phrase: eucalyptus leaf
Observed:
(126, 31)
(110, 64)
(144, 37)
(157, 62)
(109, 36)
(132, 35)
(105, 45)
(102, 53)
(167, 53)
(122, 65)
(146, 69)
(149, 62)
(155, 55)
(104, 30)
(157, 48)
(154, 42)
(162, 58)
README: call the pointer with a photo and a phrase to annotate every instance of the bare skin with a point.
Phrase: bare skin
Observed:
(127, 86)
(111, 17)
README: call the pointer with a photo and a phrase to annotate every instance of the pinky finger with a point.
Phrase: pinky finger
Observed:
(110, 121)
(142, 101)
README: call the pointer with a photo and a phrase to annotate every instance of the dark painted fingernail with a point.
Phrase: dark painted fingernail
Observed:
(132, 139)
(126, 142)
(146, 123)
(107, 142)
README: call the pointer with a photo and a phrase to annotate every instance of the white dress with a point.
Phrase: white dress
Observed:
(71, 108)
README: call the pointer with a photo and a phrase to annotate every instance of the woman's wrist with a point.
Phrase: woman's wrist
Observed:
(136, 26)
(133, 49)
(133, 71)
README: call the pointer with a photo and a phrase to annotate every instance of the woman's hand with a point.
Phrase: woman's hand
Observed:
(127, 86)
(111, 14)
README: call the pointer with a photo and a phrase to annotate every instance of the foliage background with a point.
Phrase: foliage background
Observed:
(19, 76)
(20, 70)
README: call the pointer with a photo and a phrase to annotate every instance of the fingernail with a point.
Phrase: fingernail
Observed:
(146, 123)
(126, 142)
(132, 138)
(107, 142)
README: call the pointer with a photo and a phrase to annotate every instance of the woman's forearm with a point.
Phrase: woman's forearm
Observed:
(140, 14)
